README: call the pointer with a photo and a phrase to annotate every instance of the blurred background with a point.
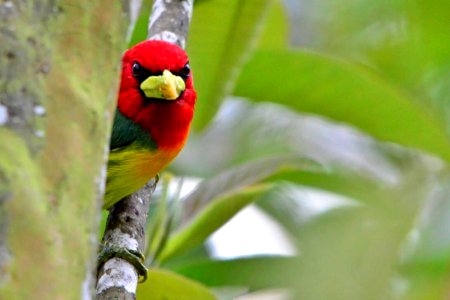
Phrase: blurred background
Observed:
(317, 166)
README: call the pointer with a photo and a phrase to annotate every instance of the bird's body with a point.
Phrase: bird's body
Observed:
(153, 116)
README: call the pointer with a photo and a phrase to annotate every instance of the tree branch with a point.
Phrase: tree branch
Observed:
(117, 278)
(169, 21)
(125, 228)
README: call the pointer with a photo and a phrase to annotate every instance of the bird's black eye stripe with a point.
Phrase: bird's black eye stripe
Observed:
(137, 69)
(141, 73)
(185, 71)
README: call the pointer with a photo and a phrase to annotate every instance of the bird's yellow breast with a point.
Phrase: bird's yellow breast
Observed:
(131, 168)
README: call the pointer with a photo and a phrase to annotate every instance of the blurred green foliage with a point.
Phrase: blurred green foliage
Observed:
(356, 90)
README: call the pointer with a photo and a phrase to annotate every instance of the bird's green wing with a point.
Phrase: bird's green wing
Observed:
(125, 132)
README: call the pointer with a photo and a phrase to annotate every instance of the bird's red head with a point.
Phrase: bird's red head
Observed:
(157, 92)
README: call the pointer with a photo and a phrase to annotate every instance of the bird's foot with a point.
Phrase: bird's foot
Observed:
(134, 257)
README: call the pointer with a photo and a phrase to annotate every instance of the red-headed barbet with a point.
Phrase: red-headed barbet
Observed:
(153, 116)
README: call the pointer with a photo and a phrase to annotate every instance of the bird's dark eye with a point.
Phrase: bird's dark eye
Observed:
(185, 71)
(138, 70)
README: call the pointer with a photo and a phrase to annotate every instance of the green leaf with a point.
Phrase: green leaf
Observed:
(241, 176)
(431, 252)
(221, 35)
(290, 202)
(403, 40)
(350, 253)
(260, 272)
(165, 285)
(159, 222)
(139, 33)
(211, 218)
(344, 92)
(292, 205)
(275, 34)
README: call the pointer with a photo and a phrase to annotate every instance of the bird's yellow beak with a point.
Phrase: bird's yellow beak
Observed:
(166, 86)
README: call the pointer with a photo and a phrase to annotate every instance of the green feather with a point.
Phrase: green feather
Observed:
(125, 132)
(128, 145)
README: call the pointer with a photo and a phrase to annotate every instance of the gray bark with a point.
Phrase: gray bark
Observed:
(170, 21)
(125, 228)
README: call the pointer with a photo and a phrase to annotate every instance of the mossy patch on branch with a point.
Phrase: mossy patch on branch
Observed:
(60, 82)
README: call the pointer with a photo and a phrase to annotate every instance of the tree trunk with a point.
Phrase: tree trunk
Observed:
(60, 63)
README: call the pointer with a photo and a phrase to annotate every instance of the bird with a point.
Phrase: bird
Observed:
(155, 107)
